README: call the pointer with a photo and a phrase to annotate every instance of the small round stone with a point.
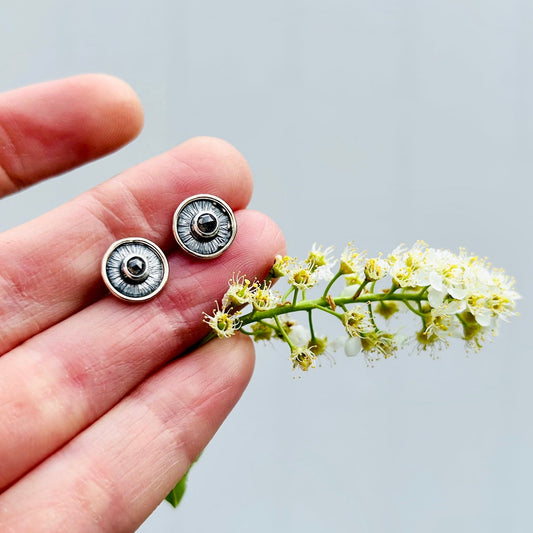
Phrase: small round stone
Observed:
(136, 266)
(207, 223)
(134, 269)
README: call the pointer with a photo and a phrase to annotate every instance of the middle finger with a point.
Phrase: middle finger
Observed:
(48, 265)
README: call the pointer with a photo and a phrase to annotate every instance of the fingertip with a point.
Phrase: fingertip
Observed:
(118, 110)
(209, 381)
(228, 364)
(239, 361)
(51, 127)
(259, 239)
(268, 229)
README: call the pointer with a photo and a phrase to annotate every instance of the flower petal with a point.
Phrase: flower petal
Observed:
(435, 297)
(352, 346)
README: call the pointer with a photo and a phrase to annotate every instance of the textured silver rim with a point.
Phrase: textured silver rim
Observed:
(185, 226)
(111, 269)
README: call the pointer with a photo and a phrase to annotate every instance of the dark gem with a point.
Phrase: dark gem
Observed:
(136, 266)
(207, 223)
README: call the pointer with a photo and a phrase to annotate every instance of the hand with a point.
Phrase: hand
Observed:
(96, 425)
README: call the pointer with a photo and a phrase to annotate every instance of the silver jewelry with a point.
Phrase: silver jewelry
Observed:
(204, 226)
(134, 269)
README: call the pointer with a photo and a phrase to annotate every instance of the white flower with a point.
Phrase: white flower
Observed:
(222, 322)
(376, 269)
(324, 273)
(490, 296)
(264, 297)
(282, 266)
(357, 321)
(239, 292)
(446, 272)
(321, 262)
(302, 277)
(352, 261)
(436, 282)
(440, 300)
(449, 307)
(303, 358)
(457, 292)
(401, 274)
(402, 266)
(478, 305)
(378, 344)
(440, 325)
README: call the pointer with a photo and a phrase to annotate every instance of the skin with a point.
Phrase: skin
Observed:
(98, 419)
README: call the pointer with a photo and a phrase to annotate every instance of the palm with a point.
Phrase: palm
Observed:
(96, 424)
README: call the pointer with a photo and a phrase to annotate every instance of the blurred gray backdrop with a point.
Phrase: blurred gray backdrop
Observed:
(379, 122)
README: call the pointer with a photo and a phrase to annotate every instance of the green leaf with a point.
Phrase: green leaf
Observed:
(176, 494)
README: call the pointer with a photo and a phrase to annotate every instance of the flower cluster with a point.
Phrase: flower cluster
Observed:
(451, 295)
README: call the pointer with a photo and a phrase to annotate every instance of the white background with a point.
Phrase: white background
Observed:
(379, 122)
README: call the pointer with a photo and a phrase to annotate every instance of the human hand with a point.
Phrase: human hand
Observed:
(96, 425)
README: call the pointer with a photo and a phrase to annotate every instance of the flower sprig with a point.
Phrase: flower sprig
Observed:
(451, 295)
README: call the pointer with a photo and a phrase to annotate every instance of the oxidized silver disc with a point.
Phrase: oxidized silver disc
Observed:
(204, 226)
(134, 269)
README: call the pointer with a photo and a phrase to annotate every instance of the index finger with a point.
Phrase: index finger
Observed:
(51, 127)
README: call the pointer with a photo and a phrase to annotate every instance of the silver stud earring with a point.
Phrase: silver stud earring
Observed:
(134, 269)
(204, 226)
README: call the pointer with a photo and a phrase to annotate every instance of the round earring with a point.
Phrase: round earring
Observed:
(204, 226)
(134, 269)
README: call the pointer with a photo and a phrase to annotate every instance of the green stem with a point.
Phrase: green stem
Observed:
(410, 307)
(295, 297)
(287, 294)
(424, 290)
(359, 291)
(330, 284)
(275, 328)
(323, 305)
(269, 278)
(371, 314)
(329, 311)
(311, 328)
(204, 340)
(394, 288)
(284, 333)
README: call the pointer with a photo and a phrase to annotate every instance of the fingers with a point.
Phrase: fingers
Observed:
(60, 381)
(116, 472)
(52, 127)
(51, 266)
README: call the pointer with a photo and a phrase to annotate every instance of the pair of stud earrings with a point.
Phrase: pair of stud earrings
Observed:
(135, 269)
